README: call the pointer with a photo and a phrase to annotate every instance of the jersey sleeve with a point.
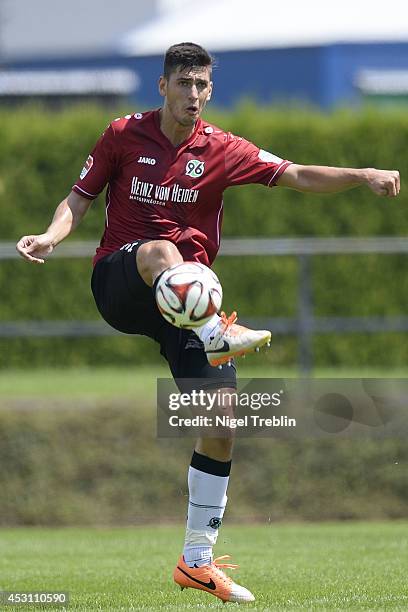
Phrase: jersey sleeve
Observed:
(99, 166)
(246, 163)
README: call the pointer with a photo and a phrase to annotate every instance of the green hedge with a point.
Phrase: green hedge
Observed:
(100, 464)
(42, 153)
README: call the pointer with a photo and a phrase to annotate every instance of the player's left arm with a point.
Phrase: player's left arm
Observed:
(326, 179)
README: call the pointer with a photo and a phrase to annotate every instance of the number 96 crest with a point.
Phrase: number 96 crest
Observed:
(195, 168)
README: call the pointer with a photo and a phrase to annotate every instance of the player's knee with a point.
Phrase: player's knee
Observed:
(159, 251)
(167, 251)
(155, 256)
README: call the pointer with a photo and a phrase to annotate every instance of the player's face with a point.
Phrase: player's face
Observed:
(186, 93)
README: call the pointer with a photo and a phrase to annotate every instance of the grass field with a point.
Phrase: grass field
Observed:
(108, 382)
(354, 566)
(331, 566)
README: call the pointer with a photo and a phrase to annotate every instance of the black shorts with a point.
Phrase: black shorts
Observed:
(128, 305)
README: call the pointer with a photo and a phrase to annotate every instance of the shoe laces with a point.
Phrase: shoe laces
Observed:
(218, 567)
(227, 322)
(217, 559)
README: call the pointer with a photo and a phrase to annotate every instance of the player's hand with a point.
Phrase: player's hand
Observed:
(35, 248)
(384, 182)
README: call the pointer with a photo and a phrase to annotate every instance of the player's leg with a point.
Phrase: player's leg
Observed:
(223, 339)
(213, 455)
(216, 448)
(155, 256)
(127, 303)
(209, 470)
(208, 478)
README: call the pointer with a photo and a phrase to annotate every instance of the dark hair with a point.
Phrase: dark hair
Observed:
(185, 55)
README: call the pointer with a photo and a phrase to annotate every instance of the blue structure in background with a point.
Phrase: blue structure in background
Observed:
(322, 76)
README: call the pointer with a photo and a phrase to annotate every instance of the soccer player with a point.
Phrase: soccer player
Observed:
(166, 172)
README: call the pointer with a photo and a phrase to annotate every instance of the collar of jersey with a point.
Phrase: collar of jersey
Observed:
(189, 141)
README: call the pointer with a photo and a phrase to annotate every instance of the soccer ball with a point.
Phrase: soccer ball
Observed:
(188, 294)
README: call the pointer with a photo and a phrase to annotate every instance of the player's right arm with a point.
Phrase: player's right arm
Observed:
(96, 172)
(66, 218)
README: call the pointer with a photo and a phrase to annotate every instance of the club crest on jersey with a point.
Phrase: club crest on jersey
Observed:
(195, 168)
(88, 165)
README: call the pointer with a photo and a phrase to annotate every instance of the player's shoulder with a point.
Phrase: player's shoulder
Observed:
(211, 132)
(215, 133)
(130, 122)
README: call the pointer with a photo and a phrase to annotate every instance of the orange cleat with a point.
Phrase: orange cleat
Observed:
(211, 578)
(229, 340)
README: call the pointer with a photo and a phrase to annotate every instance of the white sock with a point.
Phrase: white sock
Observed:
(207, 501)
(205, 330)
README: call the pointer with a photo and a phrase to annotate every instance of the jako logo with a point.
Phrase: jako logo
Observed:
(146, 160)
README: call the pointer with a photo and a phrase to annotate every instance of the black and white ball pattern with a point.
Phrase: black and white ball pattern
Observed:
(188, 294)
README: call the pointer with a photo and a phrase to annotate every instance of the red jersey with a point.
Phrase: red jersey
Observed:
(161, 191)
